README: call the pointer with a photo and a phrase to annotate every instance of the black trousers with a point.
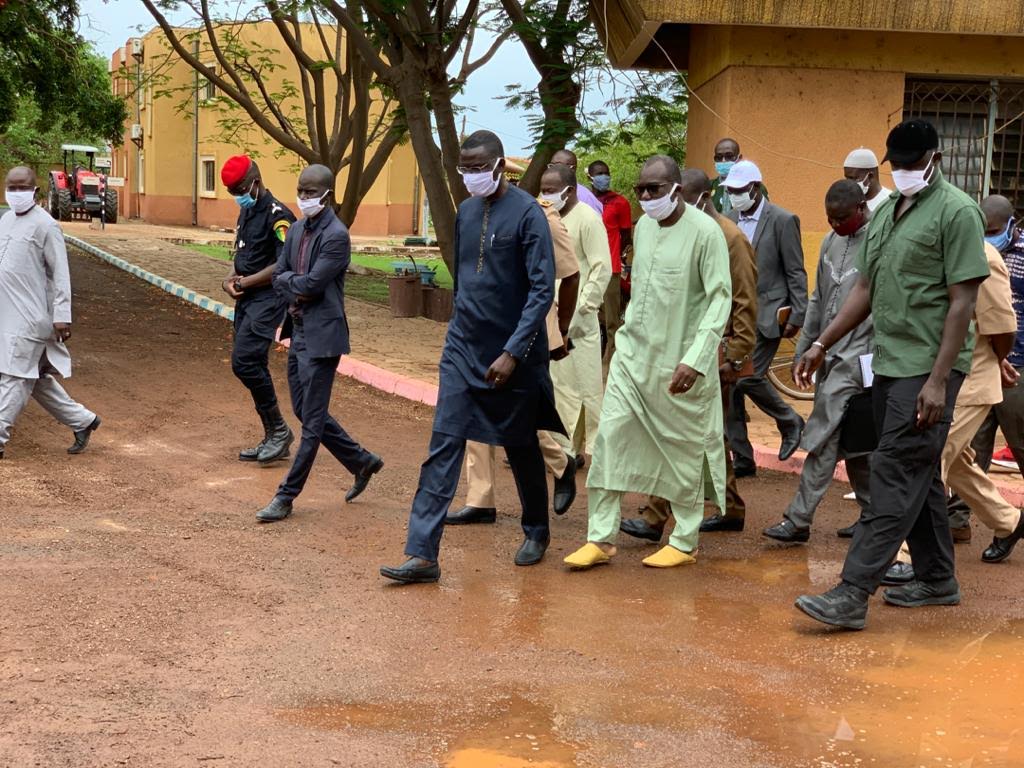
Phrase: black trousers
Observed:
(908, 497)
(249, 358)
(311, 380)
(439, 480)
(764, 396)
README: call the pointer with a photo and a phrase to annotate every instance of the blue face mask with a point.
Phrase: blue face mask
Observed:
(1002, 240)
(246, 200)
(724, 167)
(602, 182)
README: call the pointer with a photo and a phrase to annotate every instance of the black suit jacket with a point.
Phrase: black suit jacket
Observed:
(323, 285)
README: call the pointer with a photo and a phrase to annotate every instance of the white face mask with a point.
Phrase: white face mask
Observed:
(312, 206)
(909, 183)
(556, 199)
(661, 208)
(482, 183)
(864, 185)
(742, 202)
(22, 200)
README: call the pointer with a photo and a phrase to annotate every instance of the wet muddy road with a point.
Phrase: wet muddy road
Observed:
(146, 620)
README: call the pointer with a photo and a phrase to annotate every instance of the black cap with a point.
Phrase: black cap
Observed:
(909, 140)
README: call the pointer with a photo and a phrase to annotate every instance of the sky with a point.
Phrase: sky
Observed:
(108, 24)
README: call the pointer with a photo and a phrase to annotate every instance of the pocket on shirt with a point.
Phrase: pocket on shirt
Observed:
(921, 256)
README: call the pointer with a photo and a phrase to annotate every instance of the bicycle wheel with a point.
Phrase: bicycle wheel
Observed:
(780, 372)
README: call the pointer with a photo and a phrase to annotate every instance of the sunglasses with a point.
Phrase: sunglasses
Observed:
(651, 189)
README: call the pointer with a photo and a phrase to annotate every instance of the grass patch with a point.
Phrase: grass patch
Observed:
(367, 288)
(220, 252)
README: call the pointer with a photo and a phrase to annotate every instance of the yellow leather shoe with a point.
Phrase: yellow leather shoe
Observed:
(587, 556)
(668, 557)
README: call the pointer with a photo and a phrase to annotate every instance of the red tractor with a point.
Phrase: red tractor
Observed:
(82, 193)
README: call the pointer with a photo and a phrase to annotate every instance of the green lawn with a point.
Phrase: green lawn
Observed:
(366, 287)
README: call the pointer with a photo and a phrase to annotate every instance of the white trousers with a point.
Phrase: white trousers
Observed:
(579, 392)
(47, 391)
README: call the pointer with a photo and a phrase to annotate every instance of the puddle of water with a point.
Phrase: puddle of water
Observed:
(510, 733)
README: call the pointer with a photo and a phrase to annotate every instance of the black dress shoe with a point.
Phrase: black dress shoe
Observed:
(252, 454)
(720, 523)
(531, 552)
(640, 529)
(787, 532)
(843, 606)
(279, 437)
(565, 489)
(471, 516)
(373, 466)
(919, 593)
(277, 509)
(847, 532)
(413, 571)
(1000, 549)
(82, 437)
(740, 471)
(898, 574)
(791, 441)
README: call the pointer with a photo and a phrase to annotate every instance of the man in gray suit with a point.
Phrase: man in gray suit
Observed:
(781, 305)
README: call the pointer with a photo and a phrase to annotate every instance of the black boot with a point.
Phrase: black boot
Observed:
(279, 438)
(82, 437)
(252, 454)
(843, 606)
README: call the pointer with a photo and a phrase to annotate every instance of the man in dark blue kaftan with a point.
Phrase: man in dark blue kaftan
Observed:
(494, 381)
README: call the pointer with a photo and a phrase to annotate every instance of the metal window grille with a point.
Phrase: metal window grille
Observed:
(980, 126)
(209, 176)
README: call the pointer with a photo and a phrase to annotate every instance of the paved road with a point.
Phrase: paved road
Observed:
(147, 620)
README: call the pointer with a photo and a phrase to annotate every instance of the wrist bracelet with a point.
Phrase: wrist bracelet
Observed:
(820, 345)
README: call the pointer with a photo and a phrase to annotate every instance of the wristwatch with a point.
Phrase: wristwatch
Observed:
(737, 365)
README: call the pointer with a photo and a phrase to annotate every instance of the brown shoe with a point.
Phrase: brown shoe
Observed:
(961, 535)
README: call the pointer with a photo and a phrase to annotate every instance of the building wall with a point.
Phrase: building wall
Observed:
(166, 114)
(799, 100)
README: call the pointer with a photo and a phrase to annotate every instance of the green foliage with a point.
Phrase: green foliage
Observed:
(31, 140)
(47, 63)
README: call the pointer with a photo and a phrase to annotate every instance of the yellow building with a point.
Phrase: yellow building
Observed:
(800, 84)
(174, 145)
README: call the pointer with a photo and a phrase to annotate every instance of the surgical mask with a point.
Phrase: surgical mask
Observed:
(602, 182)
(557, 199)
(661, 207)
(864, 185)
(312, 206)
(909, 183)
(851, 225)
(742, 202)
(21, 201)
(246, 200)
(482, 183)
(723, 167)
(1000, 241)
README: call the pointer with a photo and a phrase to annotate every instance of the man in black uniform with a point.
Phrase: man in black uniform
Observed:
(262, 225)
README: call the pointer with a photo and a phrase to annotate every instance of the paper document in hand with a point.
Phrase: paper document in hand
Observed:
(867, 374)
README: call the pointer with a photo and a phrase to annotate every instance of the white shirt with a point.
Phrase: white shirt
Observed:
(878, 199)
(35, 293)
(748, 222)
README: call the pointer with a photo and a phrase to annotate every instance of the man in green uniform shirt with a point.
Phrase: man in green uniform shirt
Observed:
(920, 270)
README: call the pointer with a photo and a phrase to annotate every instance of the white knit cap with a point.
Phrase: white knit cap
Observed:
(862, 158)
(742, 174)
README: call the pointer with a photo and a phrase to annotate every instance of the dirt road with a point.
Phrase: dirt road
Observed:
(146, 620)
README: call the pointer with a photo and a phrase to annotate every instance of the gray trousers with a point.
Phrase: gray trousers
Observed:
(1008, 416)
(816, 477)
(47, 391)
(763, 395)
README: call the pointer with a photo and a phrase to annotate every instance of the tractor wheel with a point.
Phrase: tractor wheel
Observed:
(110, 206)
(63, 205)
(53, 203)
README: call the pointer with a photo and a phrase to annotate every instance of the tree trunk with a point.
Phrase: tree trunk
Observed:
(559, 98)
(432, 169)
(444, 119)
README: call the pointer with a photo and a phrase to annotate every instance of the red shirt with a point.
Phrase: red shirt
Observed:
(618, 215)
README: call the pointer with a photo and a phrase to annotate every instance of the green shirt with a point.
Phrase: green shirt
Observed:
(910, 263)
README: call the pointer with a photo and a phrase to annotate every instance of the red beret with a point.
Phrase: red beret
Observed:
(234, 169)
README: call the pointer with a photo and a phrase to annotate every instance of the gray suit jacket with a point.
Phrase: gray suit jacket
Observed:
(781, 277)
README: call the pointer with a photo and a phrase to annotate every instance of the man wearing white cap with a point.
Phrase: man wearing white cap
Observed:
(781, 306)
(861, 166)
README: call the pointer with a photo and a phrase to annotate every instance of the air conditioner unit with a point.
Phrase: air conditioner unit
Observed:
(136, 43)
(136, 131)
(123, 55)
(111, 67)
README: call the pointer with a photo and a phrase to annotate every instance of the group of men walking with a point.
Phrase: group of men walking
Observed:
(912, 327)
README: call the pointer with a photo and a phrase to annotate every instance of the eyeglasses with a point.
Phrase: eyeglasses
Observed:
(651, 189)
(556, 165)
(483, 168)
(725, 157)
